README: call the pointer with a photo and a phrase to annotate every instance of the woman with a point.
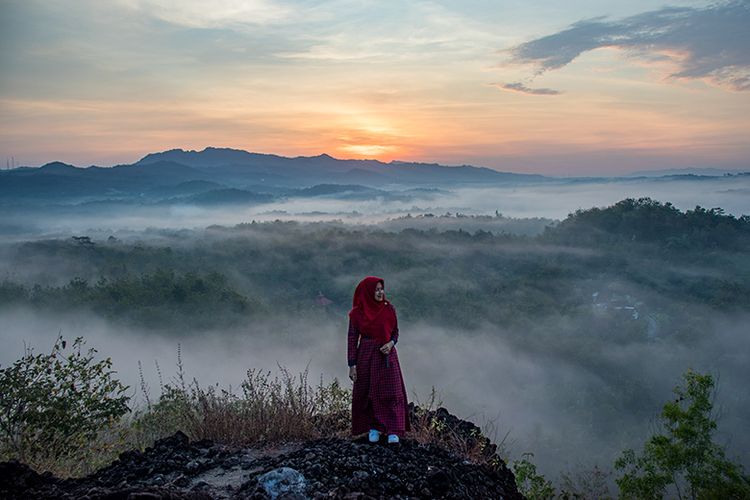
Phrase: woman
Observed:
(379, 396)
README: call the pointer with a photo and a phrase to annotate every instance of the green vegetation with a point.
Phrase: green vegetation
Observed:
(269, 409)
(161, 299)
(453, 277)
(682, 462)
(648, 221)
(52, 406)
(592, 294)
(684, 458)
(66, 413)
(530, 483)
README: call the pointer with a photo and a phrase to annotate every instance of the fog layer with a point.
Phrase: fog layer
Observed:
(549, 406)
(572, 343)
(551, 201)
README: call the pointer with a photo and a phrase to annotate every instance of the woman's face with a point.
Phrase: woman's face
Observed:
(379, 292)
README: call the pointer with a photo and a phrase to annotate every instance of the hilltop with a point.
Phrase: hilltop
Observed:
(334, 467)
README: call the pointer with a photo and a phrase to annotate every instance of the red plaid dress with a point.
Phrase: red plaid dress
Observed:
(379, 395)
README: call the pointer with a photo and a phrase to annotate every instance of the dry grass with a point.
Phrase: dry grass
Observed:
(429, 425)
(268, 409)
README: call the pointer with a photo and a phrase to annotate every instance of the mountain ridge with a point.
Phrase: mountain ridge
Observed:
(396, 170)
(237, 169)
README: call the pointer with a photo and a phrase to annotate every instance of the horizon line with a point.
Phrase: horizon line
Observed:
(636, 173)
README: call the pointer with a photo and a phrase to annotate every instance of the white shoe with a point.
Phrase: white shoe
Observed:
(374, 435)
(392, 438)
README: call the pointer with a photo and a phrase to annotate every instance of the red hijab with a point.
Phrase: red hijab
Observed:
(372, 318)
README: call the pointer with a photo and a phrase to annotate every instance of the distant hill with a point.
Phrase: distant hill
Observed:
(59, 181)
(209, 157)
(188, 176)
(643, 220)
(714, 172)
(228, 196)
(184, 188)
(333, 189)
(233, 163)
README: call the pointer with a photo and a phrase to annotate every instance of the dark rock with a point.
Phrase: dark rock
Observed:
(200, 485)
(283, 481)
(175, 441)
(438, 480)
(181, 481)
(144, 495)
(192, 466)
(175, 469)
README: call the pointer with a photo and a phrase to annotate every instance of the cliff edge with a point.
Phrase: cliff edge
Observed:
(176, 468)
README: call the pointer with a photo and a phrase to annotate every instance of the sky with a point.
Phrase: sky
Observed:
(582, 87)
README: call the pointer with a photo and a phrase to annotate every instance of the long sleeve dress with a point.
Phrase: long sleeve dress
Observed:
(379, 395)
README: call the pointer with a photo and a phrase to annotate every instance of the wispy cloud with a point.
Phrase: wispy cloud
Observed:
(712, 43)
(389, 31)
(215, 14)
(523, 89)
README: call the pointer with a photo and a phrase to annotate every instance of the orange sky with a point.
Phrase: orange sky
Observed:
(93, 85)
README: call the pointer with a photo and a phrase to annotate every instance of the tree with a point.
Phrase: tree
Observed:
(530, 483)
(683, 459)
(52, 405)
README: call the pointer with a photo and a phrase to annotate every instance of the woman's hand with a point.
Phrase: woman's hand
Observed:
(387, 347)
(353, 373)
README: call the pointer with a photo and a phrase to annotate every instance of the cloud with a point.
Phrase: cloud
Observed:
(217, 14)
(520, 87)
(711, 43)
(390, 32)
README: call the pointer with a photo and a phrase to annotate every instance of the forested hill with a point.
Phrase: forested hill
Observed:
(497, 278)
(649, 221)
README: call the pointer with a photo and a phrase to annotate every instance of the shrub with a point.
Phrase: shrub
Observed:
(269, 409)
(683, 458)
(53, 405)
(431, 423)
(531, 484)
(585, 484)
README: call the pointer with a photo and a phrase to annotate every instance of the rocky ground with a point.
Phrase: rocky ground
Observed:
(175, 468)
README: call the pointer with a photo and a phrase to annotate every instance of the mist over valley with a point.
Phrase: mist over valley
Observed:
(228, 187)
(566, 330)
(195, 196)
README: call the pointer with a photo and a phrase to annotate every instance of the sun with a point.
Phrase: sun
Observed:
(369, 150)
(369, 139)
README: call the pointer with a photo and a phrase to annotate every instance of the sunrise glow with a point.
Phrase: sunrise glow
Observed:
(89, 84)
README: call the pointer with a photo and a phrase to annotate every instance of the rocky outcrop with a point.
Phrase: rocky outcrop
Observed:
(175, 468)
